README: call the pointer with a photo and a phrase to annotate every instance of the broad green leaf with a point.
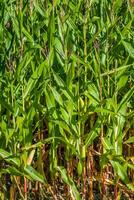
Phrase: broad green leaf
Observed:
(126, 98)
(9, 157)
(34, 174)
(121, 171)
(57, 96)
(128, 48)
(129, 140)
(33, 79)
(122, 81)
(69, 182)
(92, 134)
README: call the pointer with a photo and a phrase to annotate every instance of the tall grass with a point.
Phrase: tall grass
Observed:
(67, 99)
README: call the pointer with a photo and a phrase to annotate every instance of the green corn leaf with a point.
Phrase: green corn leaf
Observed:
(126, 98)
(128, 48)
(92, 134)
(30, 171)
(9, 157)
(14, 171)
(129, 140)
(122, 81)
(33, 79)
(28, 36)
(121, 171)
(57, 96)
(69, 182)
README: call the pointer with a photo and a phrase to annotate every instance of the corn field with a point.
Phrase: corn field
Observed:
(67, 99)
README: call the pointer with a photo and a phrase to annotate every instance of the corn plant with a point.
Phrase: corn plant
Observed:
(67, 99)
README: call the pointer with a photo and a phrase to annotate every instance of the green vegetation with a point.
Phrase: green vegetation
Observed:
(66, 99)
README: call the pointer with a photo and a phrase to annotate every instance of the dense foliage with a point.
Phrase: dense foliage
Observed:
(66, 99)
